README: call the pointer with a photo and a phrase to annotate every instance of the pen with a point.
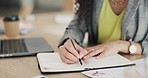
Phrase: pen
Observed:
(73, 44)
(76, 50)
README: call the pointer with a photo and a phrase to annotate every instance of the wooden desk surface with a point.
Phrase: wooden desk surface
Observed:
(27, 67)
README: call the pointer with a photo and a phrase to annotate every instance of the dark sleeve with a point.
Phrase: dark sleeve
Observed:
(77, 30)
(144, 45)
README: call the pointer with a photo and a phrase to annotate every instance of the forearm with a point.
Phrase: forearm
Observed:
(74, 34)
(124, 47)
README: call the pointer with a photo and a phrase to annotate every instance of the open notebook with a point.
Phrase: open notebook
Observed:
(51, 63)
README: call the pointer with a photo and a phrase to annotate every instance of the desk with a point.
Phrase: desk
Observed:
(27, 67)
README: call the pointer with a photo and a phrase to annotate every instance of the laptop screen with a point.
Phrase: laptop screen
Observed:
(23, 47)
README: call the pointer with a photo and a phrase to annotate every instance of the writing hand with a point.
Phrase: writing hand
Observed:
(68, 54)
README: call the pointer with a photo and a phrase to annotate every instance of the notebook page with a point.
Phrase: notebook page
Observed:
(113, 60)
(52, 62)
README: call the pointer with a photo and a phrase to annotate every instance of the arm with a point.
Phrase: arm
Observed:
(144, 44)
(138, 31)
(124, 47)
(77, 29)
(110, 48)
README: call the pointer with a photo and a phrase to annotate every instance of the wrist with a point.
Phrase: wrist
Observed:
(132, 47)
(123, 46)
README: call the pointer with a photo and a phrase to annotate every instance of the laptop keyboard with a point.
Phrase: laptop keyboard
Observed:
(12, 46)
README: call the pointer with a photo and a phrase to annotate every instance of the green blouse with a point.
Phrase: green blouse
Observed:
(109, 24)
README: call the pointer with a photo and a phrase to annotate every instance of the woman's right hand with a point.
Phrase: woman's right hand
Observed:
(68, 53)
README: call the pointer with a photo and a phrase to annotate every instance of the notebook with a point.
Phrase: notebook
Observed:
(51, 63)
(23, 47)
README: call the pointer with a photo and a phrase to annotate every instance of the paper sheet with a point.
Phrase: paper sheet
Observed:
(142, 67)
(126, 72)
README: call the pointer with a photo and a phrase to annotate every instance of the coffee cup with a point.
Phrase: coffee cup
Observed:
(11, 25)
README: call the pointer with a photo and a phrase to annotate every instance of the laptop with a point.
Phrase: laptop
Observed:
(23, 47)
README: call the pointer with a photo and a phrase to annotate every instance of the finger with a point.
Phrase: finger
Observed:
(68, 55)
(105, 54)
(82, 51)
(90, 49)
(102, 55)
(70, 48)
(93, 53)
(65, 60)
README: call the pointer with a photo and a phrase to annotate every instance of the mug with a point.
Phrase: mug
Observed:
(11, 25)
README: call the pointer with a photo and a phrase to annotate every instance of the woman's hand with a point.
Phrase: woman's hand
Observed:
(68, 53)
(102, 50)
(110, 48)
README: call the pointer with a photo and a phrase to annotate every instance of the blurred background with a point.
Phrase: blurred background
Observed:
(9, 7)
(45, 18)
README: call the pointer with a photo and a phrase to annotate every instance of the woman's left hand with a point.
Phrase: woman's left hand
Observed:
(102, 50)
